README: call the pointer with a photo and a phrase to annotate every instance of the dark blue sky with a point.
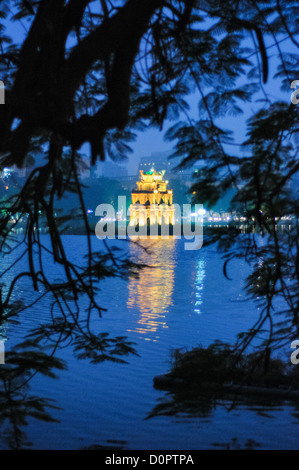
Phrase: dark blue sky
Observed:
(153, 141)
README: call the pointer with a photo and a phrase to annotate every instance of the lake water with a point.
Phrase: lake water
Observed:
(183, 301)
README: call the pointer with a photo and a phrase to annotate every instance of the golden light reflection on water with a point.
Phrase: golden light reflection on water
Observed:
(152, 293)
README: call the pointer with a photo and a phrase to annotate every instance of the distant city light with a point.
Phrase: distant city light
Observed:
(202, 212)
(6, 172)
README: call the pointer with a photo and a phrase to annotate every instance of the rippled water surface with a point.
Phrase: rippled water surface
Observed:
(182, 301)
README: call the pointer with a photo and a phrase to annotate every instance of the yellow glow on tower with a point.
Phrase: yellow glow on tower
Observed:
(151, 201)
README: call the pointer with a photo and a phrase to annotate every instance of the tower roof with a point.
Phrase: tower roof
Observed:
(152, 175)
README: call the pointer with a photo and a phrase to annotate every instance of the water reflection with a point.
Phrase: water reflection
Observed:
(199, 283)
(152, 293)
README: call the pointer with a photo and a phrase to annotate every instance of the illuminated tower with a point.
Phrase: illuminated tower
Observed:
(151, 201)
